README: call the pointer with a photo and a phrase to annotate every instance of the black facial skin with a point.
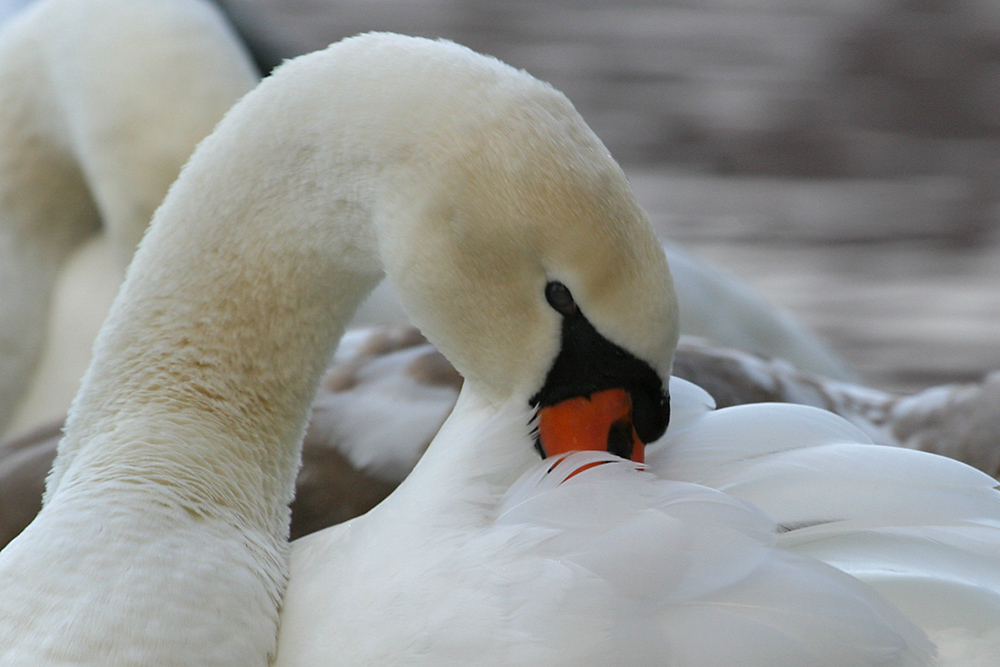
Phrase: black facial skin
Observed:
(588, 363)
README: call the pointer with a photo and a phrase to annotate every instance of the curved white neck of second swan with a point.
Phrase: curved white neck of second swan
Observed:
(281, 223)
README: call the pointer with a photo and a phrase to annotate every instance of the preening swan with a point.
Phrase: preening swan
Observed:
(101, 102)
(517, 248)
(105, 100)
(184, 437)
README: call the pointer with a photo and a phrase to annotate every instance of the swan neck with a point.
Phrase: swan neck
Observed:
(469, 465)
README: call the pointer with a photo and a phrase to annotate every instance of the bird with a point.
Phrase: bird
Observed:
(107, 100)
(517, 248)
(101, 102)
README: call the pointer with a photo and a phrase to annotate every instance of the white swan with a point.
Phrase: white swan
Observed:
(121, 90)
(101, 102)
(517, 247)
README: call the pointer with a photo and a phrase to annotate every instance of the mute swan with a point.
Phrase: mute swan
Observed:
(127, 131)
(101, 102)
(109, 97)
(517, 248)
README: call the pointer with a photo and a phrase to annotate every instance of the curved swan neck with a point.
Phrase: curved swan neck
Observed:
(258, 256)
(467, 180)
(472, 184)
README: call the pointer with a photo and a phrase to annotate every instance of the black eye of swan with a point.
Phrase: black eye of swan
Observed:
(560, 298)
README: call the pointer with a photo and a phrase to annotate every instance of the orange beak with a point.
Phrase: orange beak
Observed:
(599, 422)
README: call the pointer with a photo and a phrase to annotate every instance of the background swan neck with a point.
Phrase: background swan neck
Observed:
(101, 102)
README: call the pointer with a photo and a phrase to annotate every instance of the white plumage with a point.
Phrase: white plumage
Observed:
(921, 530)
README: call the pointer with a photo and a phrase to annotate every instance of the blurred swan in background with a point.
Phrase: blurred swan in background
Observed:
(101, 102)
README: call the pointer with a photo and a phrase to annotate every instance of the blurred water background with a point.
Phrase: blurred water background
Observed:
(843, 156)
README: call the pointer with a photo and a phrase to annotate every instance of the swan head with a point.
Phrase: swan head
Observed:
(526, 259)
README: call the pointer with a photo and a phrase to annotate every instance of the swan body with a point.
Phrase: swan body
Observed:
(574, 565)
(101, 102)
(920, 529)
(517, 247)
